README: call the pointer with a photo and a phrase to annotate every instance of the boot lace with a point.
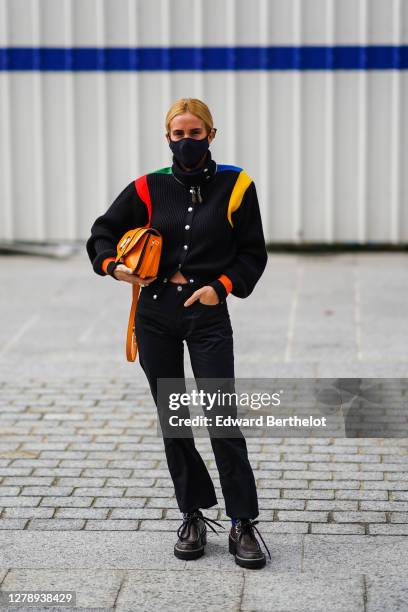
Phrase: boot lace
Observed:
(189, 518)
(248, 527)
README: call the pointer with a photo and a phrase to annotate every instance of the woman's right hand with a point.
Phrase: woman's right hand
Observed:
(123, 273)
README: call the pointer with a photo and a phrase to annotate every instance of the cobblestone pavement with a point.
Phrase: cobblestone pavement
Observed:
(85, 497)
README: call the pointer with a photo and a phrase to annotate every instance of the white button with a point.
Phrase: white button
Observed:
(179, 287)
(155, 296)
(185, 247)
(190, 208)
(205, 169)
(186, 227)
(191, 280)
(179, 265)
(164, 280)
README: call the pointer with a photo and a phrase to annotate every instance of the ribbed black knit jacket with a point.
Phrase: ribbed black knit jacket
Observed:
(209, 219)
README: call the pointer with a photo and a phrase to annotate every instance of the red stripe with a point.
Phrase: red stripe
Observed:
(226, 281)
(142, 190)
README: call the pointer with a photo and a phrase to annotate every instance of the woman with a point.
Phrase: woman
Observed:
(213, 245)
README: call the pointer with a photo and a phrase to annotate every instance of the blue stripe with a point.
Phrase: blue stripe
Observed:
(224, 167)
(343, 57)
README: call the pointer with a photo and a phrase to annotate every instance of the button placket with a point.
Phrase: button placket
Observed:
(188, 219)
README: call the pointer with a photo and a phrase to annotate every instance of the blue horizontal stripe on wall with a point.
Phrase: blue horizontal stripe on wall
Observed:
(342, 57)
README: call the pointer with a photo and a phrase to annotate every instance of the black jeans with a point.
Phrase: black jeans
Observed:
(162, 324)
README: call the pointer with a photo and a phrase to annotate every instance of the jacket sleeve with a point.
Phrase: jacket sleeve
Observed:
(126, 212)
(242, 275)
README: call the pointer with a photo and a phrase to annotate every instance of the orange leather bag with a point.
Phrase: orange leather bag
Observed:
(139, 249)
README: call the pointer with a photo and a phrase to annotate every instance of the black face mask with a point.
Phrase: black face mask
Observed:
(189, 150)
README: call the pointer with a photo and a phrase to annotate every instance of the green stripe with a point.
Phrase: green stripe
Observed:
(166, 170)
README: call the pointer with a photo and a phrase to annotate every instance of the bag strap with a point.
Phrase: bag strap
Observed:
(131, 341)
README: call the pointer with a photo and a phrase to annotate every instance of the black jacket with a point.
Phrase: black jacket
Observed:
(209, 219)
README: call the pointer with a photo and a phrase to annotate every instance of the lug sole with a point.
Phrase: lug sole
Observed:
(189, 555)
(247, 563)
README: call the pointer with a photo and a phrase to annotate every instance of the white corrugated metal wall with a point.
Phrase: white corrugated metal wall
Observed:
(326, 147)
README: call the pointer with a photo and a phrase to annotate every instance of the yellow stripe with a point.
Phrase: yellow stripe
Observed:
(241, 185)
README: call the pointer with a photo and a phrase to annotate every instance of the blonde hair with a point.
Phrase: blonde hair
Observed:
(191, 105)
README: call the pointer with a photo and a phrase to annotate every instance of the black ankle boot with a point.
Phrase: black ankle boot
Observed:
(192, 535)
(244, 545)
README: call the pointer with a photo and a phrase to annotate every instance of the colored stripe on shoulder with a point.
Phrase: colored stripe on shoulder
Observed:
(241, 185)
(142, 190)
(224, 167)
(165, 170)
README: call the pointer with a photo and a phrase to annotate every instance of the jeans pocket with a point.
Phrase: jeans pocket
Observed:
(208, 305)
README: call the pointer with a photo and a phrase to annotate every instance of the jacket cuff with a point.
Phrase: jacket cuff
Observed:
(111, 267)
(105, 263)
(220, 289)
(100, 259)
(226, 281)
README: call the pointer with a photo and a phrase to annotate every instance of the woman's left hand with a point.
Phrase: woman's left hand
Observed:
(206, 295)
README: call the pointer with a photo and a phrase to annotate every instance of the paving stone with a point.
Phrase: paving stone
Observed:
(158, 502)
(54, 523)
(387, 593)
(6, 523)
(335, 484)
(359, 517)
(98, 492)
(284, 527)
(121, 502)
(130, 482)
(10, 502)
(67, 502)
(155, 590)
(28, 512)
(9, 491)
(362, 495)
(351, 554)
(109, 525)
(302, 594)
(318, 504)
(387, 485)
(15, 471)
(136, 513)
(149, 492)
(89, 549)
(54, 472)
(50, 491)
(288, 515)
(81, 513)
(106, 472)
(307, 474)
(94, 588)
(400, 495)
(392, 506)
(268, 493)
(390, 530)
(28, 481)
(337, 528)
(399, 517)
(159, 525)
(308, 494)
(96, 483)
(282, 484)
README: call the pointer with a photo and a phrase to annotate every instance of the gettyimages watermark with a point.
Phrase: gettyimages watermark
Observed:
(283, 407)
